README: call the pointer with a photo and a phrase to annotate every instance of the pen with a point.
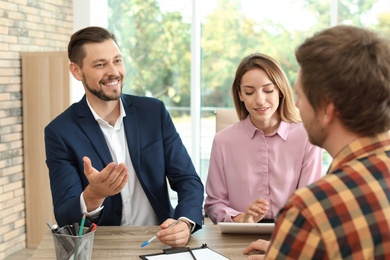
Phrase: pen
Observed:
(153, 238)
(70, 230)
(91, 228)
(55, 229)
(51, 228)
(82, 226)
(147, 242)
(76, 228)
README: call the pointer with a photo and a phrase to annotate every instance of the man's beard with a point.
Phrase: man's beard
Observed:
(99, 93)
(317, 134)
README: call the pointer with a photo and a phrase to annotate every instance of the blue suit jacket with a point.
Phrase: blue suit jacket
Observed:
(156, 151)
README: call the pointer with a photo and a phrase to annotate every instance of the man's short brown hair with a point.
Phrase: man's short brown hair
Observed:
(92, 34)
(349, 67)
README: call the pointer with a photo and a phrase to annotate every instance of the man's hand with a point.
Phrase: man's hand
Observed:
(254, 213)
(175, 235)
(258, 245)
(108, 182)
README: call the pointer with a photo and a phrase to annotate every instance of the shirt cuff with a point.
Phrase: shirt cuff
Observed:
(190, 222)
(90, 215)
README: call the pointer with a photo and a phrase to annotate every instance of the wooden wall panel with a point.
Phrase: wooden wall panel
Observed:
(46, 93)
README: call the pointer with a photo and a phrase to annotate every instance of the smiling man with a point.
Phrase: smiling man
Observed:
(344, 100)
(110, 155)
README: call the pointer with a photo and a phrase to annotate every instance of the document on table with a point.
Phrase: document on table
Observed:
(199, 253)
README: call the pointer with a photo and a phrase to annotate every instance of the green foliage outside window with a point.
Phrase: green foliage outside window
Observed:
(156, 44)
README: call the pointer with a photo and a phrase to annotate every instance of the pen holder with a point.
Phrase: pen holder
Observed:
(73, 247)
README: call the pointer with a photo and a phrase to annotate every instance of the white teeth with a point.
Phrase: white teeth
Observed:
(112, 83)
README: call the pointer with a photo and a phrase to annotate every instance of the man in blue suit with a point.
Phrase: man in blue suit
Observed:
(110, 155)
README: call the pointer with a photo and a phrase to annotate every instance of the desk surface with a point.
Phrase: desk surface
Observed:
(122, 242)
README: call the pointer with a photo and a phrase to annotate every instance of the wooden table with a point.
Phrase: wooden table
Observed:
(122, 242)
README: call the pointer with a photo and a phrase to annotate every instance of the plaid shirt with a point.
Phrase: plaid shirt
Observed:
(344, 215)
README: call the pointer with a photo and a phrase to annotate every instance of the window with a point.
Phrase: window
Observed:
(159, 41)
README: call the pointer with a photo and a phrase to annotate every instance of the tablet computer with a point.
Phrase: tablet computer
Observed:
(246, 228)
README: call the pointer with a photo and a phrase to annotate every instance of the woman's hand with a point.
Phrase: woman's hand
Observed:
(255, 212)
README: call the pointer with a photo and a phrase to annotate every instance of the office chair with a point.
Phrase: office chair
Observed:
(225, 118)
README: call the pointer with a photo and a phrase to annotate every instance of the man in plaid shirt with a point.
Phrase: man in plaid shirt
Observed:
(343, 91)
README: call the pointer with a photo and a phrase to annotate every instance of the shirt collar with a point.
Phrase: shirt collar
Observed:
(360, 148)
(99, 119)
(282, 129)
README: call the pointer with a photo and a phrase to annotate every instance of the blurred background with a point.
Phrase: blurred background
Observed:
(186, 52)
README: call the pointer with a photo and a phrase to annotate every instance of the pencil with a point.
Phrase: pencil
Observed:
(82, 226)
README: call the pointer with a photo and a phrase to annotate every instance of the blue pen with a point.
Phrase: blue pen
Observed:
(147, 242)
(153, 238)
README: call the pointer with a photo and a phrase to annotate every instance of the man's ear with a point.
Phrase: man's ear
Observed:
(75, 70)
(329, 113)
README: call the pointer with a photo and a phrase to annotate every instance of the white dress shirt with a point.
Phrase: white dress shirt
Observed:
(136, 209)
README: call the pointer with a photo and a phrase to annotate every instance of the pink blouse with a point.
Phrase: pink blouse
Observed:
(246, 165)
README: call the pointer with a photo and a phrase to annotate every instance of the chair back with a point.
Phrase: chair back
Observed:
(225, 118)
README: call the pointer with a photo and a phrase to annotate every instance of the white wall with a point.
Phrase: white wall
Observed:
(86, 13)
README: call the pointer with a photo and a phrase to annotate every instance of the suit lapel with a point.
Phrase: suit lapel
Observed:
(92, 130)
(130, 123)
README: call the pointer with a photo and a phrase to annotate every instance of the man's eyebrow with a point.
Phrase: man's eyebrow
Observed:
(104, 60)
(98, 60)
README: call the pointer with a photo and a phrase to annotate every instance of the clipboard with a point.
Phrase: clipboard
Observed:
(186, 253)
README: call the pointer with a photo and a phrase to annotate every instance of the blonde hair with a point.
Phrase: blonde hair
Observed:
(287, 109)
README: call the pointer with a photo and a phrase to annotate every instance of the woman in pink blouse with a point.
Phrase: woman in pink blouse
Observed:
(258, 162)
